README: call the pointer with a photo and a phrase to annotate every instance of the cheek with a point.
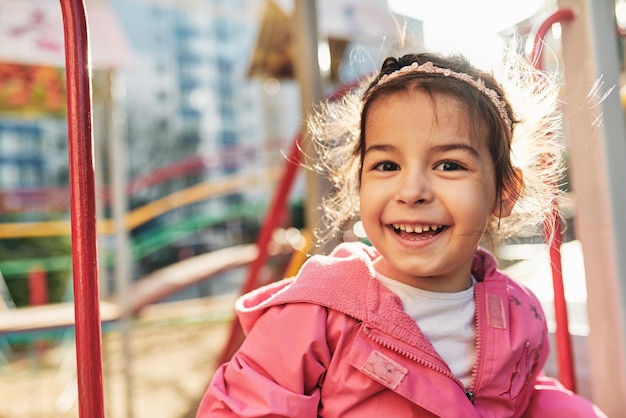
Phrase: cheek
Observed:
(489, 191)
(478, 200)
(364, 201)
(369, 201)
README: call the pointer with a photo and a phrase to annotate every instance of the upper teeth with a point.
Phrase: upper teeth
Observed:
(416, 228)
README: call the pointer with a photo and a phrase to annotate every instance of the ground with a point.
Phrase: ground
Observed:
(174, 352)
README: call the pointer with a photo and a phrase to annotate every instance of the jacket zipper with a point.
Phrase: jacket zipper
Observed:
(469, 391)
(411, 356)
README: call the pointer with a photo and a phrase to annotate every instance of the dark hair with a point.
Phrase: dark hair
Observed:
(484, 118)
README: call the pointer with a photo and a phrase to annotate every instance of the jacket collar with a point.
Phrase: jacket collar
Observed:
(342, 281)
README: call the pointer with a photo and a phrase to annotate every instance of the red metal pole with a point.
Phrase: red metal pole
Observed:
(37, 287)
(560, 16)
(83, 211)
(565, 357)
(274, 214)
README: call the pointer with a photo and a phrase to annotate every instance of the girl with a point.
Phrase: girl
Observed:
(421, 323)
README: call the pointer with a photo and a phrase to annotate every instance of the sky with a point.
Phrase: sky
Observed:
(473, 26)
(469, 27)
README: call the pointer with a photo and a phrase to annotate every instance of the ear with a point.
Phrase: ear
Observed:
(506, 202)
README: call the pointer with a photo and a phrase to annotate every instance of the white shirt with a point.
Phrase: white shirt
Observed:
(446, 319)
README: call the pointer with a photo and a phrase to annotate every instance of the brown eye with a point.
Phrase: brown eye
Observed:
(386, 166)
(449, 166)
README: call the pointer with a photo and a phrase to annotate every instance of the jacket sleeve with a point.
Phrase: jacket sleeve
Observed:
(277, 371)
(551, 399)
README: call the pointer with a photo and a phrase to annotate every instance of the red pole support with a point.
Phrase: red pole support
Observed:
(83, 211)
(37, 287)
(275, 211)
(38, 296)
(565, 357)
(560, 16)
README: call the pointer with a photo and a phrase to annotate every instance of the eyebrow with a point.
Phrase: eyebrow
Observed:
(381, 148)
(458, 146)
(438, 148)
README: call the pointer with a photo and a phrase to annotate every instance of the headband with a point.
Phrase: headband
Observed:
(429, 68)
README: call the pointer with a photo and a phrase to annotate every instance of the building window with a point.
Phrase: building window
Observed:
(224, 66)
(227, 114)
(9, 175)
(29, 176)
(228, 138)
(221, 30)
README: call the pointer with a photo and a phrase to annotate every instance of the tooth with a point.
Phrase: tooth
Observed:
(418, 229)
(409, 229)
(434, 227)
(395, 226)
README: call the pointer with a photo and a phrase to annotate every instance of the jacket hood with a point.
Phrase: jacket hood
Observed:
(338, 281)
(325, 280)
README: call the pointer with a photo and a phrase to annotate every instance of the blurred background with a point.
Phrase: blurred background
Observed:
(196, 106)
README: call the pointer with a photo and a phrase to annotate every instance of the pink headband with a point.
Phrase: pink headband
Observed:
(429, 68)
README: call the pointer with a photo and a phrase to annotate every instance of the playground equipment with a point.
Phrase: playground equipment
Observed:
(564, 344)
(83, 210)
(144, 213)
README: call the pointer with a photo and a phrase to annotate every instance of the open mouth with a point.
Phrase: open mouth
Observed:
(415, 232)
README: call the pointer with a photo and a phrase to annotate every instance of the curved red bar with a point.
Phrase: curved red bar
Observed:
(272, 219)
(83, 211)
(560, 16)
(565, 357)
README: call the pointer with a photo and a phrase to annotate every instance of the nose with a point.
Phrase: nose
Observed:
(414, 188)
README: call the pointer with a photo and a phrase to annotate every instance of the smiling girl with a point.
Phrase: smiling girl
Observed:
(421, 323)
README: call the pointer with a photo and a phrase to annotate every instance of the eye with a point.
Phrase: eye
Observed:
(386, 166)
(449, 166)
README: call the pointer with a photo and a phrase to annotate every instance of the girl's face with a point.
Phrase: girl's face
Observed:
(427, 190)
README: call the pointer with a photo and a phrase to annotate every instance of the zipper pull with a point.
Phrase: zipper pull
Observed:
(470, 396)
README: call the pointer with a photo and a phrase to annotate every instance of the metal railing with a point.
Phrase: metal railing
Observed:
(83, 210)
(565, 358)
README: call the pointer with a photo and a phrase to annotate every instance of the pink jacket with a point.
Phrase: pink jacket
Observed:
(334, 342)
